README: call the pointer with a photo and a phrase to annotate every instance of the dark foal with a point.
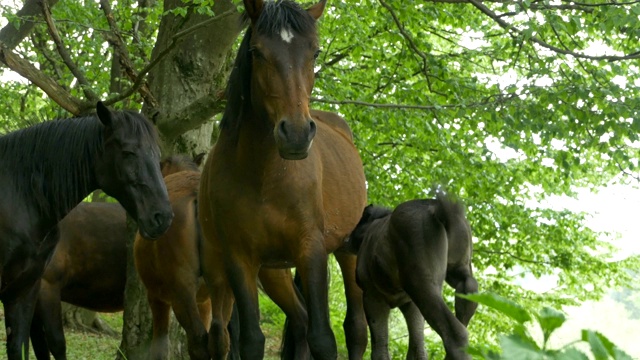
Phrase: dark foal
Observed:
(404, 257)
(45, 171)
(88, 266)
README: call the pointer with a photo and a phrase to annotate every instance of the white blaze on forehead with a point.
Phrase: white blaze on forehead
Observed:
(286, 35)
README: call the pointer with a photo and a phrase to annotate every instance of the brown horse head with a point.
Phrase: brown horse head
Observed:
(283, 45)
(177, 163)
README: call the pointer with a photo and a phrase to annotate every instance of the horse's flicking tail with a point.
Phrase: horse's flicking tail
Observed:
(447, 210)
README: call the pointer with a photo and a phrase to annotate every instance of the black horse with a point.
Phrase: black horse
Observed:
(404, 257)
(45, 171)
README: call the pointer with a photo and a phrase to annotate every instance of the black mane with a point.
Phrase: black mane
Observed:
(275, 16)
(53, 162)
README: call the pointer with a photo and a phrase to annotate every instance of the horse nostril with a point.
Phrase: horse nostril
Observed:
(159, 218)
(282, 129)
(312, 129)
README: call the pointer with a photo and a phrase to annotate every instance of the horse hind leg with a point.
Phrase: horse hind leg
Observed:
(355, 323)
(377, 312)
(462, 280)
(428, 298)
(415, 326)
(49, 313)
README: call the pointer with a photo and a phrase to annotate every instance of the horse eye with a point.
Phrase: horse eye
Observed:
(256, 53)
(317, 53)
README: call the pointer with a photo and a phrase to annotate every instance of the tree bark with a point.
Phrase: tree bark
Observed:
(78, 318)
(194, 73)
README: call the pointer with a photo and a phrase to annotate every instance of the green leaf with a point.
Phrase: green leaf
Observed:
(598, 346)
(503, 305)
(550, 319)
(515, 348)
(570, 354)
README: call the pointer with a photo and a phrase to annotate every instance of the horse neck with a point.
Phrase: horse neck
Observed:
(252, 142)
(62, 170)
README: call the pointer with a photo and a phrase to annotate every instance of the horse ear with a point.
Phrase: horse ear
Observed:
(198, 158)
(253, 8)
(104, 114)
(316, 10)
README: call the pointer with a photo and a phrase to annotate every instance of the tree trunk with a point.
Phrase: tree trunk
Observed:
(194, 73)
(78, 318)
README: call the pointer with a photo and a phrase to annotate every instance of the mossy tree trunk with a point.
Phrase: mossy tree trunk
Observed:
(188, 85)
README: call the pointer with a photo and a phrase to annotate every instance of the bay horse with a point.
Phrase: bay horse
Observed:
(270, 200)
(170, 270)
(404, 257)
(88, 266)
(45, 171)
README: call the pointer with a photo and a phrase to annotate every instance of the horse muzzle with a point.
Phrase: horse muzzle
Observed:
(294, 140)
(155, 225)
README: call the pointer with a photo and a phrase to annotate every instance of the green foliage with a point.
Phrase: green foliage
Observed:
(504, 117)
(521, 345)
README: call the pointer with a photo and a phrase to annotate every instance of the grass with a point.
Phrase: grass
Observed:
(80, 345)
(83, 345)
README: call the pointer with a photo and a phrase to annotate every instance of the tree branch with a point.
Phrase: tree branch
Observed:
(507, 26)
(410, 41)
(121, 52)
(11, 36)
(23, 67)
(501, 99)
(191, 116)
(53, 31)
(174, 41)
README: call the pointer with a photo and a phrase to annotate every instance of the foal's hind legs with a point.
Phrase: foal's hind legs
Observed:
(377, 312)
(355, 323)
(428, 298)
(415, 325)
(160, 311)
(462, 280)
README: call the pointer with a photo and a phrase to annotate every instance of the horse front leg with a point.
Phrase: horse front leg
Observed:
(221, 306)
(355, 322)
(186, 310)
(49, 312)
(243, 276)
(18, 314)
(312, 266)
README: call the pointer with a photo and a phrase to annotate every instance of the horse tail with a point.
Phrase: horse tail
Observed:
(288, 347)
(448, 210)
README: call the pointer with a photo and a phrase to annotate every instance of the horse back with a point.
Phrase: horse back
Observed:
(334, 120)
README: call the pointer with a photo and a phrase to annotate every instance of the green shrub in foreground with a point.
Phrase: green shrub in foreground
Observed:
(520, 345)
